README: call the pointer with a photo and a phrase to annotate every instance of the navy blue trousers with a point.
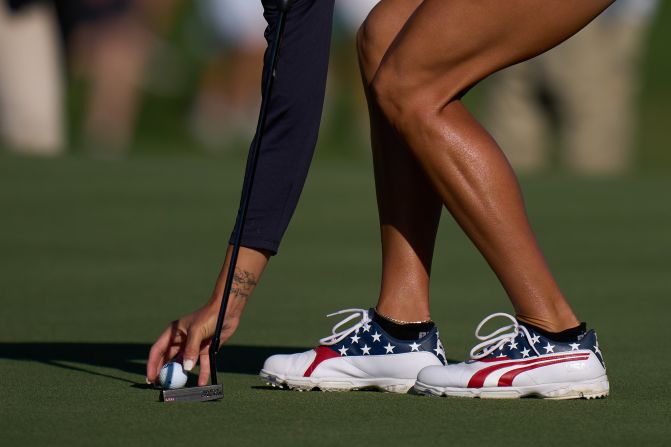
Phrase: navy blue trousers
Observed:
(295, 110)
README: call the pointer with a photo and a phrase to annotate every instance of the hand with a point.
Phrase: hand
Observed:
(189, 339)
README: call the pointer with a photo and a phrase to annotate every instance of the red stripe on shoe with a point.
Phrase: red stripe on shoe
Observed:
(507, 378)
(323, 353)
(478, 379)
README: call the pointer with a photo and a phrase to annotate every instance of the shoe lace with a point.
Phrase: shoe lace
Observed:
(336, 337)
(492, 342)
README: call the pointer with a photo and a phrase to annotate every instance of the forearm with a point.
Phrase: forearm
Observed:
(250, 266)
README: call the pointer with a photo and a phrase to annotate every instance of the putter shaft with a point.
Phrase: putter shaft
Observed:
(250, 171)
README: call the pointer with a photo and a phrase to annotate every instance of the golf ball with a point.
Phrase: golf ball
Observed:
(172, 376)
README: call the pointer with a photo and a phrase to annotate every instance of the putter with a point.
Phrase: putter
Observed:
(215, 391)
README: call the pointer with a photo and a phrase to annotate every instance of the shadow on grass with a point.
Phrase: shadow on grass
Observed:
(130, 357)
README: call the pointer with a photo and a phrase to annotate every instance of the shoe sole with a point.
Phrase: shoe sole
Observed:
(591, 389)
(337, 384)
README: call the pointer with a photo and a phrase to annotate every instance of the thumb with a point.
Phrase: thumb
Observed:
(192, 348)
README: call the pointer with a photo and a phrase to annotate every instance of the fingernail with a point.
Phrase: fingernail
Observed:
(188, 365)
(149, 382)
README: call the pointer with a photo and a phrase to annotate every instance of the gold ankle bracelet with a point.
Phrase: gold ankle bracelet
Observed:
(394, 320)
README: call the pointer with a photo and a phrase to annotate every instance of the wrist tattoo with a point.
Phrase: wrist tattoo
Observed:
(243, 283)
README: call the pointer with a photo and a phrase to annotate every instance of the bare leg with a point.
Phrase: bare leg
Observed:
(444, 48)
(409, 208)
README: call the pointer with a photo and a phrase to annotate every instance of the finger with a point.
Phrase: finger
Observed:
(204, 374)
(157, 354)
(194, 339)
(164, 349)
(172, 354)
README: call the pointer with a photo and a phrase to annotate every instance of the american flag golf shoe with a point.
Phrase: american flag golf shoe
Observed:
(361, 356)
(514, 362)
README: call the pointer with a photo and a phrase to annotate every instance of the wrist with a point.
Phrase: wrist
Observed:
(234, 307)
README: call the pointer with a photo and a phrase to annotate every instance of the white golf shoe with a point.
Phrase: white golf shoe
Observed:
(514, 361)
(362, 356)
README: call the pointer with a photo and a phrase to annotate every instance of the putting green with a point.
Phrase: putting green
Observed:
(95, 258)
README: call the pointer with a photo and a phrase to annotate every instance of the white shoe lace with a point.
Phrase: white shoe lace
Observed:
(336, 337)
(492, 342)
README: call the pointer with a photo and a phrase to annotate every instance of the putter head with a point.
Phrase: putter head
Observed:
(194, 394)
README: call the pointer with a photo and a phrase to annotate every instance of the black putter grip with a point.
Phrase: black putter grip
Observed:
(284, 5)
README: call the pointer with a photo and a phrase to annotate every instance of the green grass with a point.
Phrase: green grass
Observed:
(96, 257)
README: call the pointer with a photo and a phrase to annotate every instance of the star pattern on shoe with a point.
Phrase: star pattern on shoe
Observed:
(549, 348)
(368, 338)
(524, 343)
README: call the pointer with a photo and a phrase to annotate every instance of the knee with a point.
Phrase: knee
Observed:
(409, 94)
(406, 101)
(371, 45)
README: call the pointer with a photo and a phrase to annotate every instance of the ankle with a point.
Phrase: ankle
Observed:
(403, 330)
(403, 310)
(565, 336)
(400, 321)
(555, 324)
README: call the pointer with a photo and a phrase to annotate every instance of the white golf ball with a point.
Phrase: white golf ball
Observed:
(172, 376)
